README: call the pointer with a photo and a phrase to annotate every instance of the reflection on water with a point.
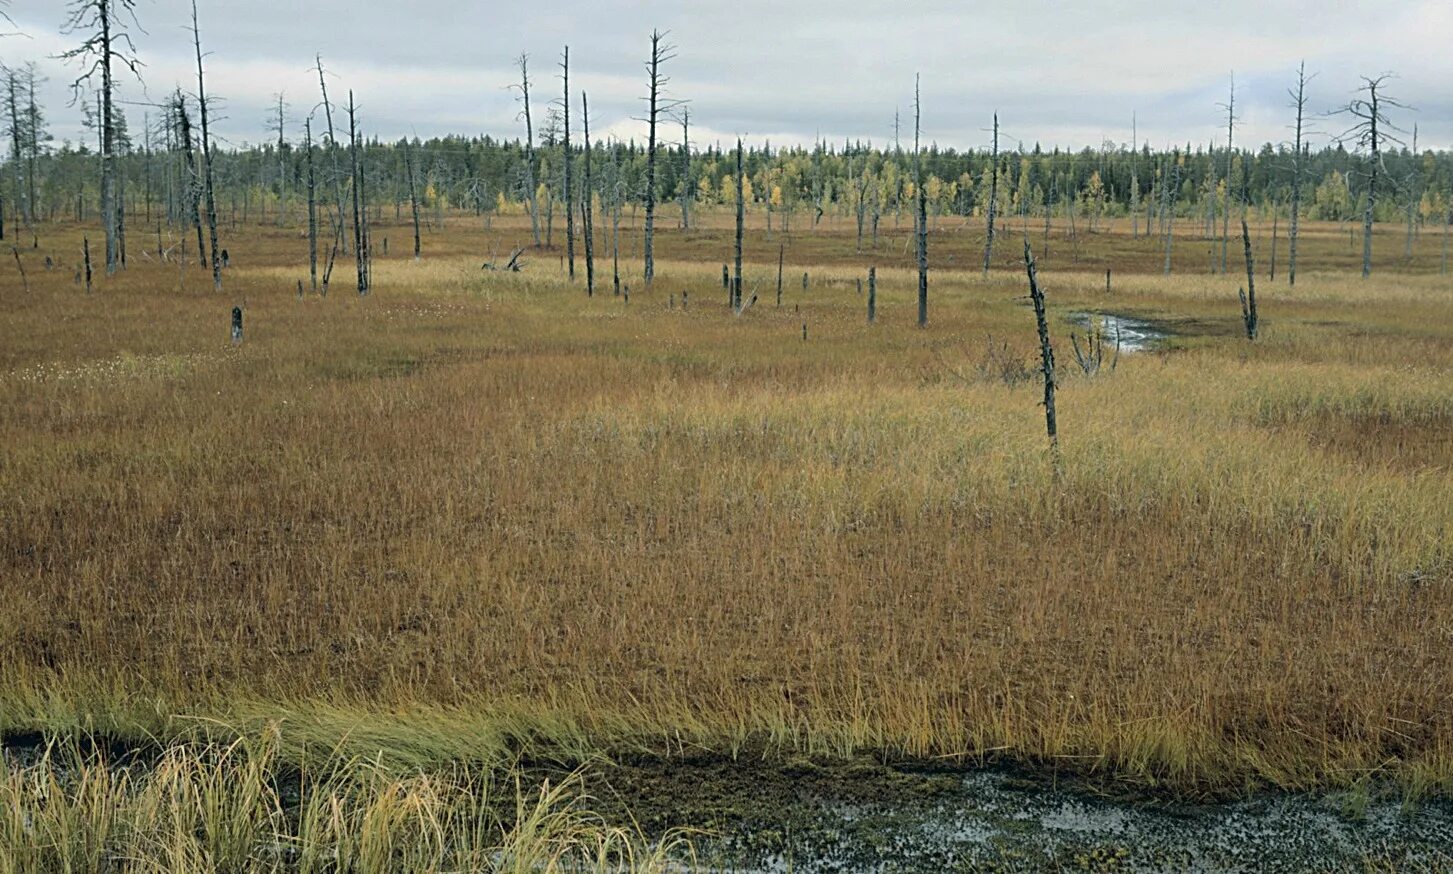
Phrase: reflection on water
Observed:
(1133, 335)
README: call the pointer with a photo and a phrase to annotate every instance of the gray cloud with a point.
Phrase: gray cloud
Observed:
(1059, 73)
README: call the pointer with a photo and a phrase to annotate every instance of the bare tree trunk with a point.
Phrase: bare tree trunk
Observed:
(659, 55)
(530, 193)
(1373, 140)
(587, 202)
(312, 205)
(357, 205)
(686, 172)
(615, 228)
(922, 211)
(741, 219)
(993, 196)
(1135, 181)
(1275, 215)
(282, 172)
(781, 253)
(207, 182)
(1299, 99)
(569, 192)
(1230, 156)
(16, 129)
(413, 197)
(108, 140)
(340, 220)
(1169, 186)
(1046, 352)
(193, 179)
(1413, 196)
(1248, 298)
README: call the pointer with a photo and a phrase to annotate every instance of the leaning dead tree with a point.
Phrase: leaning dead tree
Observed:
(587, 202)
(921, 219)
(1046, 352)
(1372, 130)
(993, 196)
(340, 221)
(208, 188)
(529, 182)
(105, 41)
(1248, 295)
(656, 104)
(567, 190)
(1299, 103)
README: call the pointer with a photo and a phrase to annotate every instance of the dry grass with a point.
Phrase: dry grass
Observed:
(477, 513)
(207, 807)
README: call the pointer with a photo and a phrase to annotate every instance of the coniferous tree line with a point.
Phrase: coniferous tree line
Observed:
(800, 187)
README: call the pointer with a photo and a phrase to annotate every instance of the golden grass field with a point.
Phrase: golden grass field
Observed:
(478, 515)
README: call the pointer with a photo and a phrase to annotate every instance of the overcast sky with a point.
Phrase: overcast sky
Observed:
(1058, 72)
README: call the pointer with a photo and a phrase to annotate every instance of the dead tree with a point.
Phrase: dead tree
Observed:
(587, 202)
(568, 159)
(993, 194)
(1248, 295)
(922, 211)
(1299, 103)
(1372, 130)
(1046, 351)
(105, 41)
(660, 54)
(208, 189)
(279, 122)
(357, 197)
(339, 214)
(24, 280)
(1230, 106)
(781, 252)
(737, 251)
(530, 192)
(1275, 220)
(872, 295)
(413, 197)
(686, 168)
(1415, 194)
(616, 197)
(193, 186)
(1170, 186)
(16, 123)
(1135, 180)
(312, 204)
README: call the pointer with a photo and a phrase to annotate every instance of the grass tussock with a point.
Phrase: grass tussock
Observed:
(479, 513)
(203, 806)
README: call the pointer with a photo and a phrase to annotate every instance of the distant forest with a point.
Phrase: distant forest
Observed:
(486, 175)
(157, 173)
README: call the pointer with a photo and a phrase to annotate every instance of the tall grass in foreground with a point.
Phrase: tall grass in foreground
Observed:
(205, 807)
